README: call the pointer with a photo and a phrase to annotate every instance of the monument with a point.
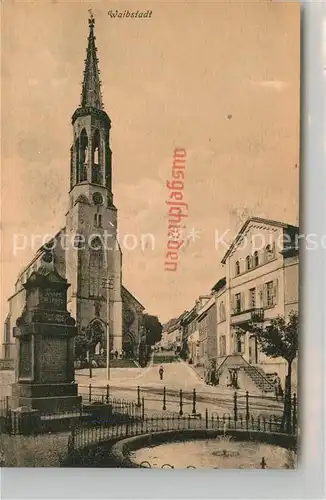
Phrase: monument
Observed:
(44, 334)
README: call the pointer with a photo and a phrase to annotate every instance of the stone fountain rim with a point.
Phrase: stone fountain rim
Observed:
(120, 451)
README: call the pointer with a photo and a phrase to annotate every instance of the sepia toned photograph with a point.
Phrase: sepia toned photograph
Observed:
(150, 235)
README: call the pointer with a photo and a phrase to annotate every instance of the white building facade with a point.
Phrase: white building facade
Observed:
(261, 283)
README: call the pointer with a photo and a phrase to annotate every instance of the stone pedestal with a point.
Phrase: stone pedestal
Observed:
(45, 346)
(25, 420)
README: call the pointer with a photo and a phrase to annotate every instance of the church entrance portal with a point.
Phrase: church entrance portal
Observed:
(97, 338)
(129, 346)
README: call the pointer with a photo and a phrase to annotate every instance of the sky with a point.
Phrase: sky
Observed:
(220, 80)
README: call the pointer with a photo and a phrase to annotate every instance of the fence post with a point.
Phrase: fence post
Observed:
(90, 393)
(90, 365)
(71, 442)
(138, 396)
(194, 402)
(235, 408)
(107, 393)
(294, 413)
(143, 408)
(206, 418)
(247, 406)
(9, 425)
(180, 412)
(164, 398)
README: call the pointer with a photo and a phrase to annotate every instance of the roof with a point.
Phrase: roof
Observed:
(91, 92)
(189, 316)
(258, 220)
(123, 288)
(38, 253)
(219, 285)
(206, 307)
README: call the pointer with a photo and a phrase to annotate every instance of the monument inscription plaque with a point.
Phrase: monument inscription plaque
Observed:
(25, 359)
(53, 299)
(53, 366)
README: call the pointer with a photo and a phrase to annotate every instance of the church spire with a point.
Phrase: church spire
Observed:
(91, 92)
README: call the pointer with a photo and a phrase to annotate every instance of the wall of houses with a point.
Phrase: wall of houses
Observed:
(260, 279)
(291, 284)
(222, 307)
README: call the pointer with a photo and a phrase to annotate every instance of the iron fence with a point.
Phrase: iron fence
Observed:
(84, 437)
(98, 403)
(91, 413)
(147, 465)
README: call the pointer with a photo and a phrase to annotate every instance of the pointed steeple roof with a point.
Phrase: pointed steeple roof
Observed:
(91, 92)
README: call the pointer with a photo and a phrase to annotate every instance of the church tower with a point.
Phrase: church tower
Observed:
(93, 260)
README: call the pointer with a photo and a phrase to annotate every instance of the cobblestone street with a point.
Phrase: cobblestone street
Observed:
(125, 381)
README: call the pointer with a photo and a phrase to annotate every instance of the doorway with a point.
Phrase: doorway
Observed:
(253, 350)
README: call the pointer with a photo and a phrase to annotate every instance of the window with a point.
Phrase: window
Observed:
(237, 302)
(248, 262)
(83, 156)
(238, 343)
(270, 293)
(237, 268)
(222, 345)
(96, 167)
(252, 297)
(222, 311)
(95, 220)
(256, 259)
(269, 253)
(100, 220)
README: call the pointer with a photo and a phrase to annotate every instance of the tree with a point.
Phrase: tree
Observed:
(153, 329)
(81, 347)
(279, 339)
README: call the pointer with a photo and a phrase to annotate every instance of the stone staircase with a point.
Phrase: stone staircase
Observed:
(258, 376)
(165, 357)
(123, 363)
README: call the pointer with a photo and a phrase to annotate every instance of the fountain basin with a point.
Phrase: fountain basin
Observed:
(234, 449)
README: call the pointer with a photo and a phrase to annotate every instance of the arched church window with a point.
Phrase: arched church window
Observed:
(83, 156)
(96, 263)
(77, 148)
(96, 167)
(96, 156)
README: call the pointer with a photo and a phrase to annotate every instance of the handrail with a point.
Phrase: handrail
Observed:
(247, 364)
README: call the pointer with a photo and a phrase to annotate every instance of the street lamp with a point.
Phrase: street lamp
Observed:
(107, 283)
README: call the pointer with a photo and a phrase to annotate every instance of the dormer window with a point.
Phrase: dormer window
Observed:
(248, 262)
(269, 253)
(256, 259)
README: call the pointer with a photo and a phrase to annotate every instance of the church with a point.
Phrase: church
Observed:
(86, 251)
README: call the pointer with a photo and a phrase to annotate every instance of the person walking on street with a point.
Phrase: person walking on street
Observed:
(161, 371)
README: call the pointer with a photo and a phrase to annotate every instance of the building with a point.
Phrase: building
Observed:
(206, 321)
(86, 251)
(261, 283)
(172, 333)
(190, 336)
(194, 340)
